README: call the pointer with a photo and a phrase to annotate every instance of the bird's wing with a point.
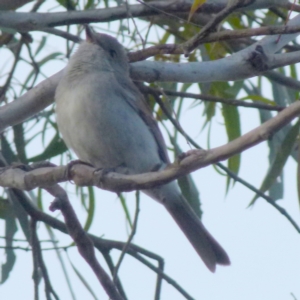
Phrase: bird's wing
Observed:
(137, 101)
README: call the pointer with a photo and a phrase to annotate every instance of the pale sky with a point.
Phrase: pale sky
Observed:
(263, 246)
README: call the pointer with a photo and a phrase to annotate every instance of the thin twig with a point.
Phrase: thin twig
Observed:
(66, 35)
(42, 249)
(84, 243)
(209, 98)
(230, 173)
(159, 279)
(37, 252)
(104, 246)
(165, 13)
(293, 7)
(133, 231)
(35, 66)
(35, 275)
(223, 35)
(164, 276)
(260, 194)
(134, 23)
(37, 5)
(111, 266)
(283, 80)
(17, 53)
(195, 41)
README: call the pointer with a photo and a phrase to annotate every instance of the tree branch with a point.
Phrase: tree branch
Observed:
(40, 264)
(211, 26)
(24, 22)
(209, 98)
(103, 245)
(12, 4)
(224, 35)
(130, 238)
(234, 67)
(83, 242)
(193, 160)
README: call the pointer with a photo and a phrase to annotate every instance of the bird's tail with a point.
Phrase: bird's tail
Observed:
(203, 242)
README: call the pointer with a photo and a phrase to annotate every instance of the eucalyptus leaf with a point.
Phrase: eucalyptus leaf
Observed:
(281, 157)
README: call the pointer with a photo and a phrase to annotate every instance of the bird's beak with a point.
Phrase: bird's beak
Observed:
(89, 34)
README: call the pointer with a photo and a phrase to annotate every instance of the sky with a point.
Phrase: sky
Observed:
(263, 246)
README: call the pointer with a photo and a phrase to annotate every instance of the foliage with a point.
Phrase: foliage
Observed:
(30, 56)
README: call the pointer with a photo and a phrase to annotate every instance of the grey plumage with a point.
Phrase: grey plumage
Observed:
(103, 117)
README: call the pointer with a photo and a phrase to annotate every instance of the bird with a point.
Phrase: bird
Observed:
(104, 118)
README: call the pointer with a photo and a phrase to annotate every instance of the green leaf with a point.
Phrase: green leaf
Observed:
(5, 208)
(258, 98)
(82, 279)
(90, 208)
(233, 129)
(282, 155)
(190, 192)
(41, 45)
(55, 147)
(69, 4)
(49, 57)
(6, 150)
(187, 185)
(89, 4)
(196, 4)
(276, 190)
(298, 176)
(126, 210)
(16, 197)
(19, 140)
(10, 231)
(209, 112)
(59, 254)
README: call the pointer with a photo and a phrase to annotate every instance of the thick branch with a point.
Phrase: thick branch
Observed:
(12, 4)
(24, 22)
(30, 103)
(224, 35)
(234, 67)
(84, 175)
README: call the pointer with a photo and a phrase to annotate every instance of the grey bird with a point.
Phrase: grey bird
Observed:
(104, 118)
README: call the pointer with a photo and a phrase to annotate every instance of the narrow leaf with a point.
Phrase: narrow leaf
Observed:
(196, 4)
(6, 212)
(233, 129)
(281, 157)
(126, 210)
(82, 279)
(41, 45)
(91, 209)
(55, 147)
(10, 230)
(187, 185)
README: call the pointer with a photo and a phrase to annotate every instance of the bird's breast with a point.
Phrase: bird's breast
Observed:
(102, 128)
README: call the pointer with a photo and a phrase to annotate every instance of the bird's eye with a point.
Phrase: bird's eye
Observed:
(112, 53)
